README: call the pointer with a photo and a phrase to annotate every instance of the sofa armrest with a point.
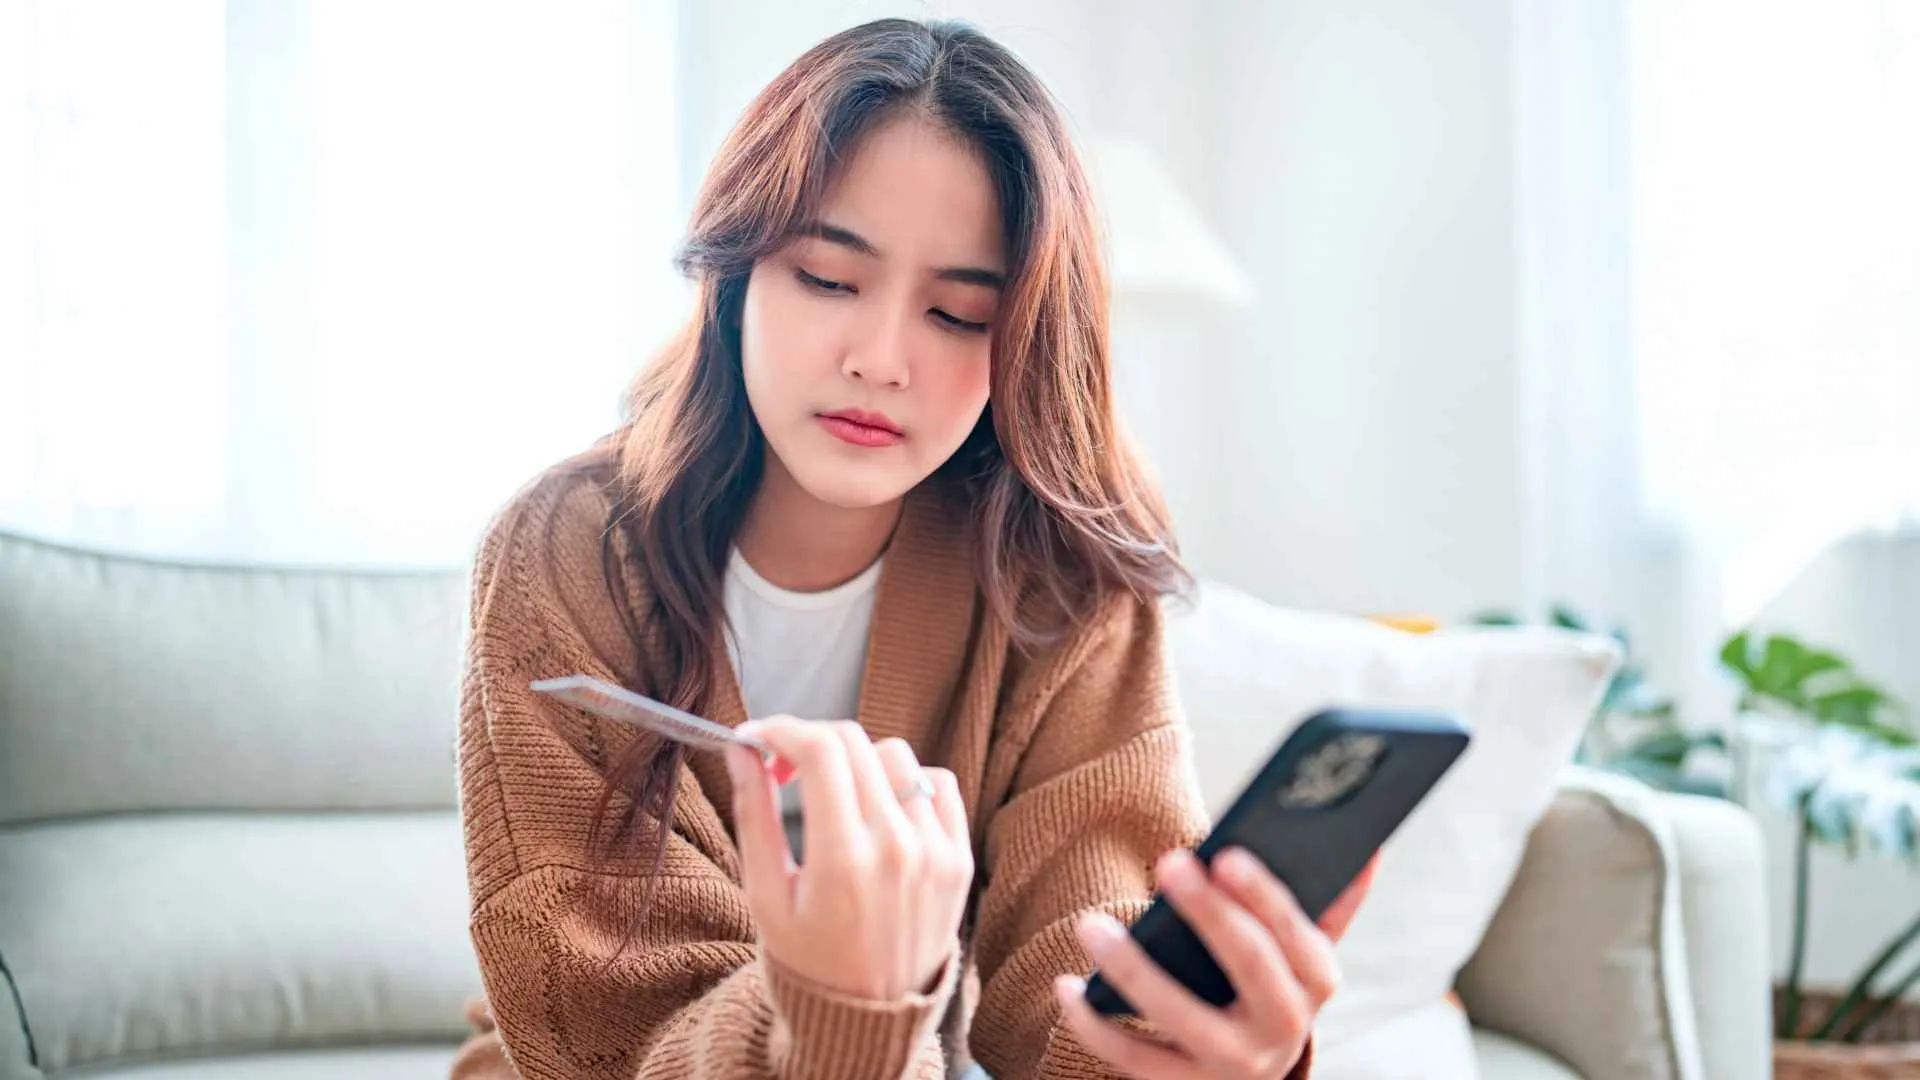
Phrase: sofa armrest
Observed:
(1632, 943)
(1723, 902)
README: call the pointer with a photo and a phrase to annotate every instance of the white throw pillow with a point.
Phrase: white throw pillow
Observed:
(1249, 672)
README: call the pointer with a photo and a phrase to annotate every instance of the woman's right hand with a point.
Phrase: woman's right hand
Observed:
(875, 911)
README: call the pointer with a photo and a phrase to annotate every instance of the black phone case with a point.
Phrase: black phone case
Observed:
(1317, 852)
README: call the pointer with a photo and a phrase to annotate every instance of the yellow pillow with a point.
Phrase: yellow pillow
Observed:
(1412, 624)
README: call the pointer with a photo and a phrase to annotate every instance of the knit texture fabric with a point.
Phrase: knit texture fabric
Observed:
(1072, 760)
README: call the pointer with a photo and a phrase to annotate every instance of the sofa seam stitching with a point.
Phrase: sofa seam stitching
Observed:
(20, 1007)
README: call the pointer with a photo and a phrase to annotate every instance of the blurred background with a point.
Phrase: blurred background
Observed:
(1591, 310)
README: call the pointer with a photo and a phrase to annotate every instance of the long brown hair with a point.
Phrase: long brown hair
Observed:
(1067, 519)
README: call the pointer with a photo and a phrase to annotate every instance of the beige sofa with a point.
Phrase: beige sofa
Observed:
(228, 849)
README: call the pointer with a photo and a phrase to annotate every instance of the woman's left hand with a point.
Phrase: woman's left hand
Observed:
(1281, 966)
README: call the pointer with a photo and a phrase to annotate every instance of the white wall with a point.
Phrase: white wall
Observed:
(1363, 414)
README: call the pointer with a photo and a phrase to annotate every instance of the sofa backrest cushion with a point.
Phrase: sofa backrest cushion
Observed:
(170, 936)
(128, 685)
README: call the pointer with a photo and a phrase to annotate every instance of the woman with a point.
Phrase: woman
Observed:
(877, 483)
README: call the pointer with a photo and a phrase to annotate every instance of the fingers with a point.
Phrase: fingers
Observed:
(950, 808)
(903, 775)
(831, 820)
(1339, 915)
(1120, 1048)
(765, 861)
(872, 787)
(945, 861)
(1308, 951)
(1238, 940)
(1154, 994)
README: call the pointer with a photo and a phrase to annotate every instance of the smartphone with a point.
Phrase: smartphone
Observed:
(1320, 807)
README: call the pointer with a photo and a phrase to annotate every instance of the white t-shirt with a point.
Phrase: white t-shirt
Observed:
(802, 654)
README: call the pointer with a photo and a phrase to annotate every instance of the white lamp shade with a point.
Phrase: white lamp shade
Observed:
(1158, 241)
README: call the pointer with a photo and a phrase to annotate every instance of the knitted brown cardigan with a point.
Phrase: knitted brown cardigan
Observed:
(1073, 763)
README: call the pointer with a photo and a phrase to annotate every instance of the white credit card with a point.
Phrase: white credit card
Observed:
(603, 698)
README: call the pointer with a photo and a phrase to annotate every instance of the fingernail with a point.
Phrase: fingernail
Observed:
(1238, 865)
(1175, 871)
(1099, 934)
(1068, 987)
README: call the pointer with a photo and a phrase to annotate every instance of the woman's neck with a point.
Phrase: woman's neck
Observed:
(797, 542)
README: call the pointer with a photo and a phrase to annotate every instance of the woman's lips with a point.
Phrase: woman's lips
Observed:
(870, 430)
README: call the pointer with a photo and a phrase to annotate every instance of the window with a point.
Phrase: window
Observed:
(322, 282)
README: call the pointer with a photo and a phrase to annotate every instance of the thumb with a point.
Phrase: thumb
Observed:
(1341, 912)
(766, 866)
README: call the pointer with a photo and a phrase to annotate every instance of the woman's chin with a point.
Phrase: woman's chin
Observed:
(846, 488)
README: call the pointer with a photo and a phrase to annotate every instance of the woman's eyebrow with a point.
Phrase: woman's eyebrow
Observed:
(846, 238)
(973, 275)
(853, 241)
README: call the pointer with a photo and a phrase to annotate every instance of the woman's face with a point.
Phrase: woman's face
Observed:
(865, 340)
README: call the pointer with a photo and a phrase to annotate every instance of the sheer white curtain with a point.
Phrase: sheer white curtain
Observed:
(1720, 304)
(1776, 226)
(321, 282)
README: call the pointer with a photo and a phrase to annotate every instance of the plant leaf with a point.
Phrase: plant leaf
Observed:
(1667, 748)
(1566, 618)
(1890, 825)
(1735, 656)
(1831, 815)
(1892, 736)
(1627, 688)
(1779, 663)
(1811, 662)
(1853, 705)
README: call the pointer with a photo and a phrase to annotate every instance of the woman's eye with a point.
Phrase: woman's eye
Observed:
(959, 323)
(821, 284)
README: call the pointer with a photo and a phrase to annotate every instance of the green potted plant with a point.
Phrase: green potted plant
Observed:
(1828, 752)
(1831, 752)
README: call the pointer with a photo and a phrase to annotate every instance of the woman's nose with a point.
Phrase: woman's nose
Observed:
(880, 352)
